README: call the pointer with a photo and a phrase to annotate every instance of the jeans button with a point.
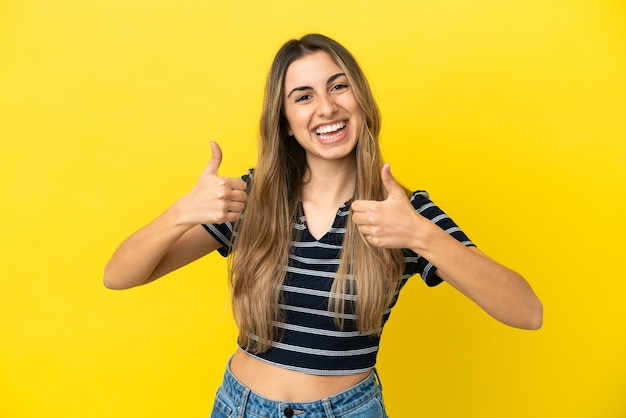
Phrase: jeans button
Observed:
(288, 412)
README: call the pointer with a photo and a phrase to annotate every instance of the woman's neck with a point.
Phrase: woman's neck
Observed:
(329, 182)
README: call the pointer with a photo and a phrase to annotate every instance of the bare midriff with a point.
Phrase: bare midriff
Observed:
(287, 385)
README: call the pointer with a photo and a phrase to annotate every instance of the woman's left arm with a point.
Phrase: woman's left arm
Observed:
(500, 291)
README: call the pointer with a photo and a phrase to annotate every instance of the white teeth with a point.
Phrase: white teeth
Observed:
(330, 128)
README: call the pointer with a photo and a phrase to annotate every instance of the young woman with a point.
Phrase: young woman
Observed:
(321, 239)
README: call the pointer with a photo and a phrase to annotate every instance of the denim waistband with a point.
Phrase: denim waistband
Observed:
(340, 403)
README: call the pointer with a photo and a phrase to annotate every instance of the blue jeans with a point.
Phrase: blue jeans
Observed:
(364, 400)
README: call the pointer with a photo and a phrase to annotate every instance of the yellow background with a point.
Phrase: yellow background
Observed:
(511, 114)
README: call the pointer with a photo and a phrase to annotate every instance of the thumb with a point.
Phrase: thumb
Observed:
(392, 187)
(216, 159)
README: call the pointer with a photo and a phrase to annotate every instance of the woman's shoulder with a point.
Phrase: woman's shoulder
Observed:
(419, 197)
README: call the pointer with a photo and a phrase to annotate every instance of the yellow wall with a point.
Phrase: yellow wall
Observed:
(512, 114)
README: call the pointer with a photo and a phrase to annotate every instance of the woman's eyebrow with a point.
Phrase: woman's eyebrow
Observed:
(299, 89)
(334, 77)
(330, 80)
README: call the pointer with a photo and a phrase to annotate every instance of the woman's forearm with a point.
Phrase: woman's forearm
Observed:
(500, 291)
(136, 259)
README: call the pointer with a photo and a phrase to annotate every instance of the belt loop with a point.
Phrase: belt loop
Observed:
(377, 379)
(241, 409)
(328, 408)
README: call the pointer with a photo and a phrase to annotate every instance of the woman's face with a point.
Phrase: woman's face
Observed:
(321, 108)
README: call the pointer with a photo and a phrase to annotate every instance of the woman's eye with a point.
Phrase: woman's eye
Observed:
(339, 86)
(303, 97)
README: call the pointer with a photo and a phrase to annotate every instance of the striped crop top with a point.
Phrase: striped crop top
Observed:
(311, 342)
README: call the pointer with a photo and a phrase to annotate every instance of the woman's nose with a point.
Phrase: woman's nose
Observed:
(326, 106)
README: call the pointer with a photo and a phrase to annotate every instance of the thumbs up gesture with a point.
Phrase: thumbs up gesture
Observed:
(390, 223)
(214, 199)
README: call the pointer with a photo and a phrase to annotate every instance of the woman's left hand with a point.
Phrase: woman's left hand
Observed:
(390, 223)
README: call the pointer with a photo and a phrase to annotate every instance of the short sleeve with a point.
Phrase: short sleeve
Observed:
(223, 233)
(425, 207)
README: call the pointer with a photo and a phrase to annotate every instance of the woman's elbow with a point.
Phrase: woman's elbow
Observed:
(536, 316)
(113, 281)
(533, 316)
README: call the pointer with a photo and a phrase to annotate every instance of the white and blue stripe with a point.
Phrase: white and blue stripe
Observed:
(310, 340)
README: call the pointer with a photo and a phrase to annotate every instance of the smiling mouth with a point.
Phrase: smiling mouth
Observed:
(329, 132)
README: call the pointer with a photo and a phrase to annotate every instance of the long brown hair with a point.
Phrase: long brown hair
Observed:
(263, 236)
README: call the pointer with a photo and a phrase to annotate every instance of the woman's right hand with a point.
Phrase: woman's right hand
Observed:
(213, 199)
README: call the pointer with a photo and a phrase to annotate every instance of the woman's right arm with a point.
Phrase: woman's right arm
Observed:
(177, 237)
